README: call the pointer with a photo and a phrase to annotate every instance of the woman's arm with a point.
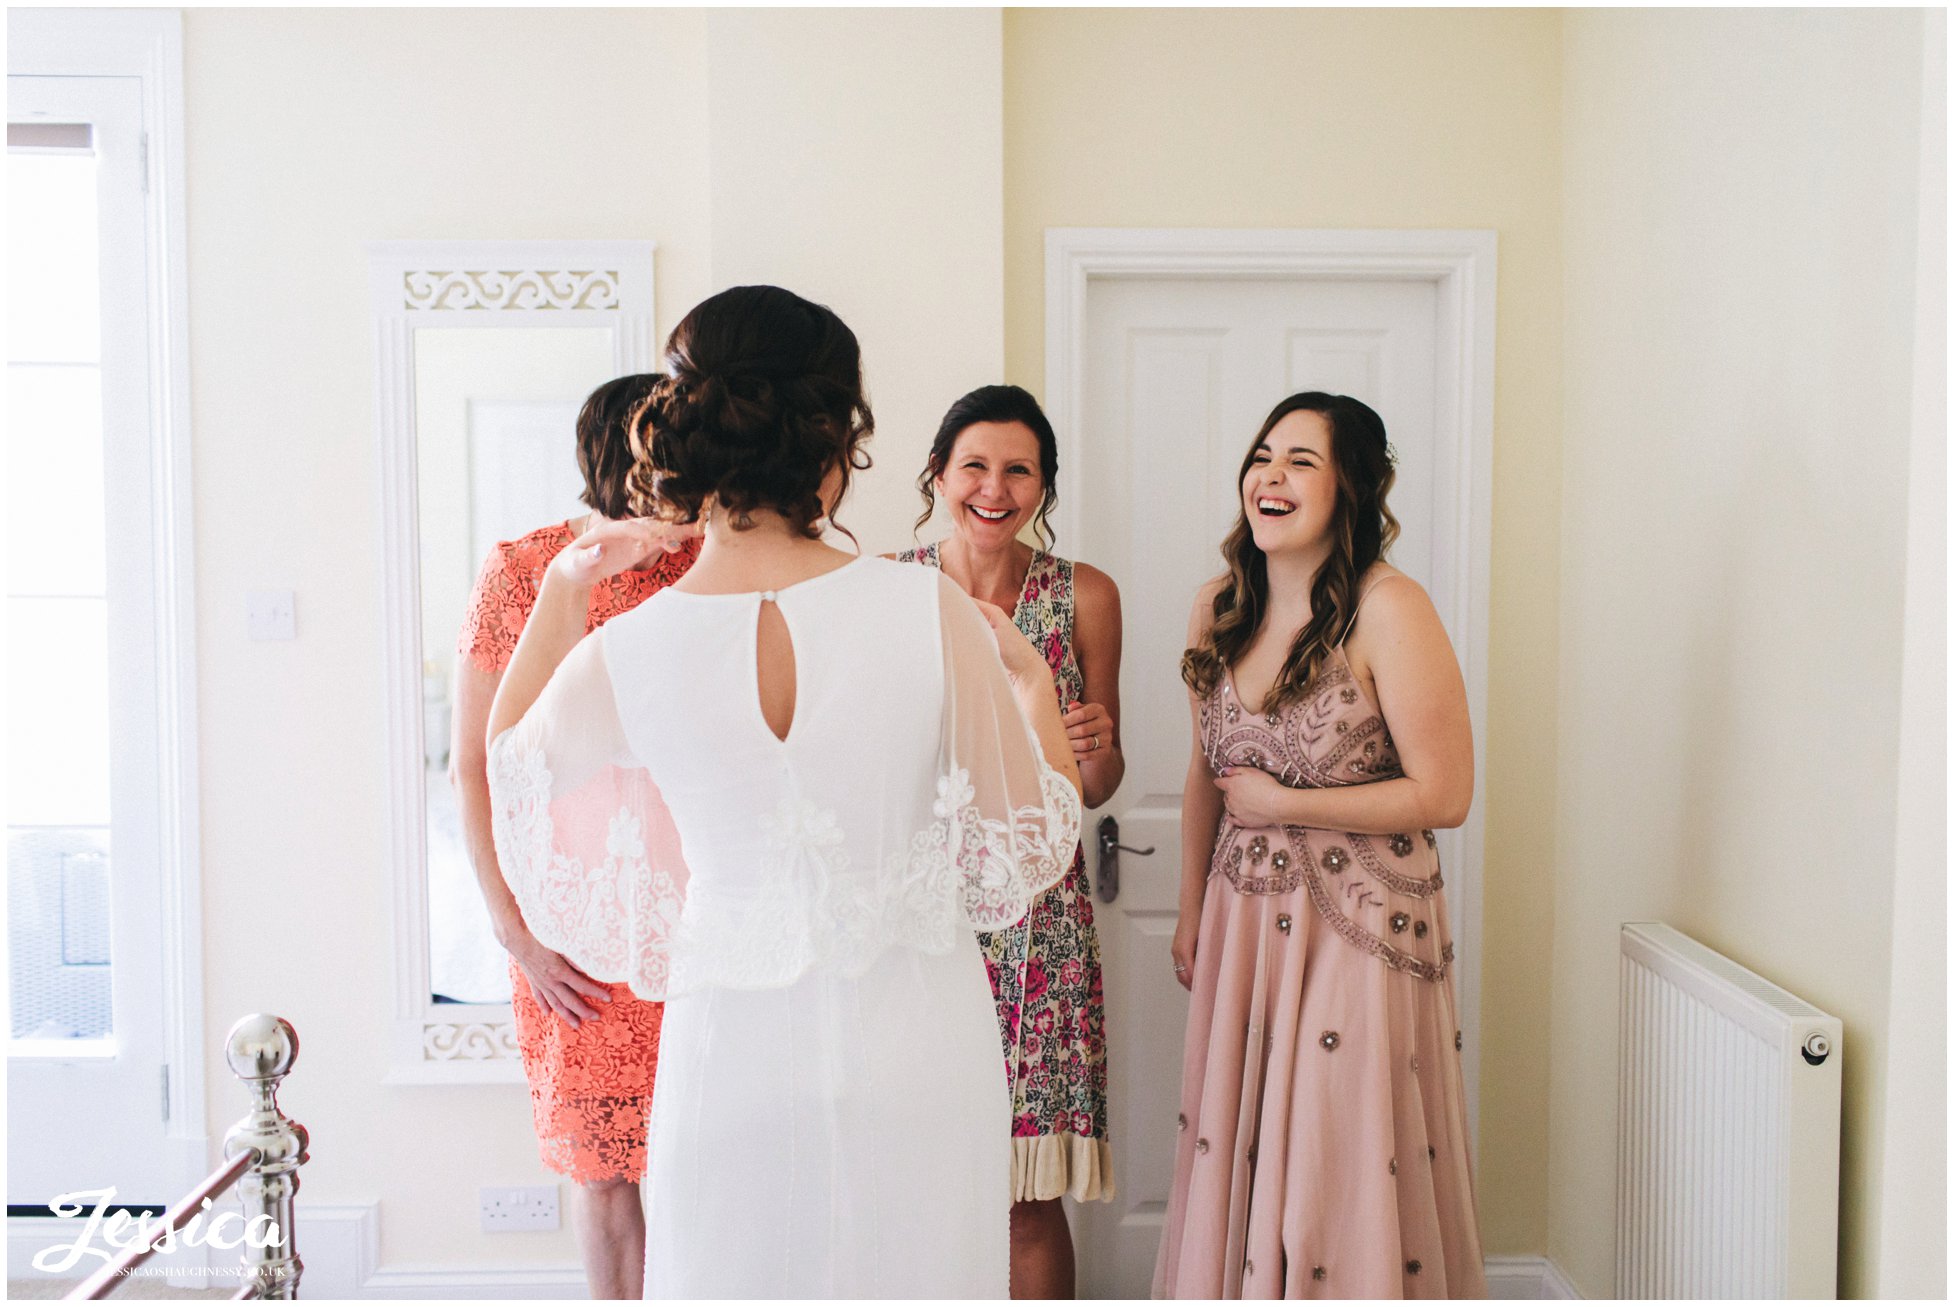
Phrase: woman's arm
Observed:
(563, 603)
(1096, 636)
(556, 983)
(1421, 695)
(1201, 808)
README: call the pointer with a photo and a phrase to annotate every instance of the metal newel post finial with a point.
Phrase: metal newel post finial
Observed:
(260, 1051)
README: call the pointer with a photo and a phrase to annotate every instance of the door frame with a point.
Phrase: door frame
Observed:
(146, 46)
(1463, 265)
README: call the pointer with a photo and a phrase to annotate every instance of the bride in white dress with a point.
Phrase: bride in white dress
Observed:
(860, 766)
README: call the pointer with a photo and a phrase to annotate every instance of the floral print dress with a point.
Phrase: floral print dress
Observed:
(1045, 971)
(589, 1087)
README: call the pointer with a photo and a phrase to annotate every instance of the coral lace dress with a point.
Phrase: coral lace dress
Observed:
(1322, 1133)
(589, 1087)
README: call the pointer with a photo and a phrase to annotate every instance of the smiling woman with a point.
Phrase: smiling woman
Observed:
(994, 465)
(1330, 739)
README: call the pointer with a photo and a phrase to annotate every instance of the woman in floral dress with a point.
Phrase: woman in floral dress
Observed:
(993, 464)
(1322, 1145)
(589, 1050)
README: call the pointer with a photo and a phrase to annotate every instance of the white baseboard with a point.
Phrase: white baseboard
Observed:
(340, 1246)
(1527, 1277)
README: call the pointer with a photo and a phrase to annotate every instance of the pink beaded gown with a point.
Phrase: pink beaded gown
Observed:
(1322, 1148)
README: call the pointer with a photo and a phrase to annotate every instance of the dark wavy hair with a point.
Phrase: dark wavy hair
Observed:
(1361, 531)
(994, 404)
(604, 453)
(762, 401)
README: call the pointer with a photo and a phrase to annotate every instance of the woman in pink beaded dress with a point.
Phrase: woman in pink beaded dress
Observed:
(1322, 1147)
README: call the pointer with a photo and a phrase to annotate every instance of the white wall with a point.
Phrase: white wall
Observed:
(1740, 231)
(797, 147)
(310, 133)
(1909, 1204)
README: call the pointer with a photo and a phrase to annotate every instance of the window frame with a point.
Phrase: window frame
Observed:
(147, 46)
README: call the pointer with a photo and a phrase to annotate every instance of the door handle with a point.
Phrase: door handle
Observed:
(1109, 851)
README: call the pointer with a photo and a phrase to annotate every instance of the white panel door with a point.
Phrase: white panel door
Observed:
(1179, 374)
(522, 457)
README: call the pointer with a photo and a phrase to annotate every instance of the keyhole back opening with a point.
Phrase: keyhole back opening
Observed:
(774, 670)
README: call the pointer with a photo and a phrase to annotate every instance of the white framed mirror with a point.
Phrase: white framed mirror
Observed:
(483, 353)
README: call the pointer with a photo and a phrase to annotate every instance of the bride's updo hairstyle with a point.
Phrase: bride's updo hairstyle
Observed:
(762, 401)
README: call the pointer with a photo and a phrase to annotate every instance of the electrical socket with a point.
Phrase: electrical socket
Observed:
(521, 1207)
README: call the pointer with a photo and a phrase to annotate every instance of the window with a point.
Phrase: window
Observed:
(105, 1056)
(58, 830)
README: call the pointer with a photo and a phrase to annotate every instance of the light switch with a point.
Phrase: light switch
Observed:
(270, 614)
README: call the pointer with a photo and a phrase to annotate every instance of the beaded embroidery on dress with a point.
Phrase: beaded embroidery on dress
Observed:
(1321, 1149)
(1380, 902)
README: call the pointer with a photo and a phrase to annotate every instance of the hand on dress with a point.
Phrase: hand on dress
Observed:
(612, 547)
(1252, 796)
(556, 982)
(1090, 728)
(1022, 661)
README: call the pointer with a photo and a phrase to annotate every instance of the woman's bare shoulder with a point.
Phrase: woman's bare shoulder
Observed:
(1094, 591)
(1393, 606)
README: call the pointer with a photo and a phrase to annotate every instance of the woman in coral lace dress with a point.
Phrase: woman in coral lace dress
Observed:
(589, 1050)
(1322, 1133)
(994, 466)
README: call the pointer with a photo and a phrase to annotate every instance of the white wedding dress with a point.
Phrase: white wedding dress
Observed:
(831, 1110)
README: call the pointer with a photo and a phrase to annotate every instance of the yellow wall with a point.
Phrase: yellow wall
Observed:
(1347, 118)
(856, 158)
(1739, 249)
(1910, 1211)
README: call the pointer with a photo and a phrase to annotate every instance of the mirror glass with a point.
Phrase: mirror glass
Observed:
(495, 412)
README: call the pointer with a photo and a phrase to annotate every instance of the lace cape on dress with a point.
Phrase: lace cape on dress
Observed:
(593, 859)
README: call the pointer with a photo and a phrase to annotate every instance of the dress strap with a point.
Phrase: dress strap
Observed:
(1066, 596)
(1360, 606)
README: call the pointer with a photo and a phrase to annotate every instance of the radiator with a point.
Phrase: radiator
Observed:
(1728, 1145)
